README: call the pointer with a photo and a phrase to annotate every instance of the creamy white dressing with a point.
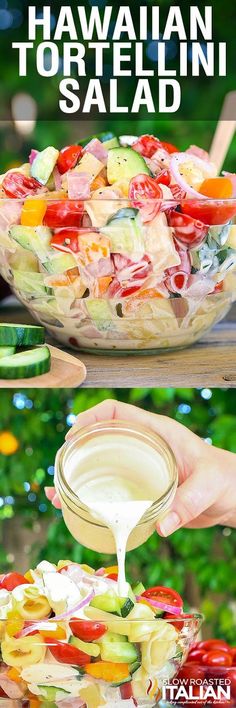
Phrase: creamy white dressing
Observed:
(116, 477)
(119, 503)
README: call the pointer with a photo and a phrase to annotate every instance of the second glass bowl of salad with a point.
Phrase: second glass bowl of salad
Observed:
(68, 639)
(123, 245)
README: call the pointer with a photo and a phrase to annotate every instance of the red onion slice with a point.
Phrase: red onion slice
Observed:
(179, 159)
(33, 155)
(57, 178)
(58, 618)
(161, 605)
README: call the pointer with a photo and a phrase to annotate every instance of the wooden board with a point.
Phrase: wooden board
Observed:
(210, 362)
(66, 371)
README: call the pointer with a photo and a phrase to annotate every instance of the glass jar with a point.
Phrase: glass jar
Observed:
(113, 448)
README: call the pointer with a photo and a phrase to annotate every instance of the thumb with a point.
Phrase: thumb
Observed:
(193, 497)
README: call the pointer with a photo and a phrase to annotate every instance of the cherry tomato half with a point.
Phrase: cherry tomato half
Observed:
(11, 581)
(175, 621)
(213, 213)
(146, 145)
(65, 212)
(216, 658)
(66, 653)
(233, 654)
(163, 178)
(231, 674)
(112, 576)
(195, 655)
(165, 595)
(145, 194)
(68, 158)
(188, 231)
(87, 631)
(16, 185)
(191, 672)
(169, 147)
(66, 240)
(213, 644)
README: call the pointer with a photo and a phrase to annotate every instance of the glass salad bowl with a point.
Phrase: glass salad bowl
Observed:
(67, 637)
(125, 663)
(119, 274)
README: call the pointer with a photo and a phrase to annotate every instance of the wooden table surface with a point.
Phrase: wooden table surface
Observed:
(210, 362)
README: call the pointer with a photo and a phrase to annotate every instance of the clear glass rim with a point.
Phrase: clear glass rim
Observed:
(195, 617)
(168, 200)
(137, 431)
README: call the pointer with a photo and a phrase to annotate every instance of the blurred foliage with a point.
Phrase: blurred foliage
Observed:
(201, 96)
(188, 126)
(39, 420)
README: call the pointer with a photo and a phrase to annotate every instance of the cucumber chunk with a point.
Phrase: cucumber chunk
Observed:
(119, 652)
(125, 213)
(89, 648)
(44, 164)
(126, 607)
(33, 362)
(104, 137)
(138, 589)
(36, 239)
(107, 602)
(125, 163)
(7, 351)
(17, 335)
(50, 693)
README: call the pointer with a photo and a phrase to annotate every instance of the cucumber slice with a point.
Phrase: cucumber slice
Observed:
(33, 362)
(127, 213)
(31, 283)
(59, 263)
(119, 652)
(89, 648)
(44, 163)
(36, 239)
(111, 637)
(126, 235)
(125, 163)
(138, 589)
(106, 602)
(126, 607)
(50, 693)
(135, 666)
(7, 351)
(104, 137)
(116, 685)
(17, 335)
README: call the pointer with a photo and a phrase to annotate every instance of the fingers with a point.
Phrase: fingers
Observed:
(52, 497)
(185, 444)
(194, 496)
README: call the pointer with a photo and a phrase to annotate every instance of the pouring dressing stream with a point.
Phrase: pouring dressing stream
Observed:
(114, 481)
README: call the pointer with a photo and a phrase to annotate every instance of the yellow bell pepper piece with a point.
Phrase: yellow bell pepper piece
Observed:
(28, 576)
(108, 671)
(58, 633)
(63, 564)
(111, 569)
(33, 212)
(87, 568)
(14, 674)
(13, 626)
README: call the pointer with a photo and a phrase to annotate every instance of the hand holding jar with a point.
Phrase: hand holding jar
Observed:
(206, 494)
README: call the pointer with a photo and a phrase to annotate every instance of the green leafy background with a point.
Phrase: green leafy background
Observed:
(200, 564)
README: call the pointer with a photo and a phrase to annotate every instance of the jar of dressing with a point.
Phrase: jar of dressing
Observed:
(112, 473)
